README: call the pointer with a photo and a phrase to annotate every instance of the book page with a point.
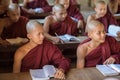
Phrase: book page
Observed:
(38, 74)
(68, 38)
(49, 70)
(106, 70)
(113, 29)
(116, 67)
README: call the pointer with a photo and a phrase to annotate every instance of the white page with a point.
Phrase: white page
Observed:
(106, 70)
(49, 70)
(38, 74)
(113, 29)
(116, 67)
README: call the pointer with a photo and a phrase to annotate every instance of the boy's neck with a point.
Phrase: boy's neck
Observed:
(93, 44)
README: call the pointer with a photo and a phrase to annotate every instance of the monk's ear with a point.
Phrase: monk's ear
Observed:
(28, 36)
(90, 34)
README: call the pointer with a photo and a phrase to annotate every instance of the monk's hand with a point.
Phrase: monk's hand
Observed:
(118, 34)
(56, 39)
(31, 11)
(110, 60)
(59, 74)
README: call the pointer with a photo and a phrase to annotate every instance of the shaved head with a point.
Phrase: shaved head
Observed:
(100, 3)
(13, 7)
(32, 25)
(57, 7)
(93, 24)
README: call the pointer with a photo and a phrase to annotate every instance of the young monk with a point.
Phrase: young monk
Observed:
(39, 52)
(102, 16)
(35, 6)
(13, 26)
(59, 23)
(98, 48)
(73, 12)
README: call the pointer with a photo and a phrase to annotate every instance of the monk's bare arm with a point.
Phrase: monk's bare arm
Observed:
(48, 21)
(80, 57)
(17, 61)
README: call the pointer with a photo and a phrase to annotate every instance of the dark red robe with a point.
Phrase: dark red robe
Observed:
(37, 4)
(118, 12)
(73, 11)
(17, 29)
(97, 56)
(107, 20)
(15, 1)
(43, 54)
(68, 26)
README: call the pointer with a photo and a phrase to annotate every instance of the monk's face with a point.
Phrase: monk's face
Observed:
(37, 35)
(101, 10)
(14, 15)
(66, 3)
(98, 34)
(60, 14)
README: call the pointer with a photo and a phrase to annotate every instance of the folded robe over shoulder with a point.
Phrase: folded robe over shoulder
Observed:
(17, 29)
(68, 26)
(110, 48)
(44, 54)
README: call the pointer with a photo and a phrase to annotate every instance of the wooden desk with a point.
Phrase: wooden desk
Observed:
(38, 16)
(86, 74)
(73, 74)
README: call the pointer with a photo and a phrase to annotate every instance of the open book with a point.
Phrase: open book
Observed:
(47, 72)
(109, 70)
(112, 30)
(68, 38)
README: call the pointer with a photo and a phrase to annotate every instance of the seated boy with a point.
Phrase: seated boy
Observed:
(73, 12)
(14, 25)
(59, 23)
(39, 52)
(102, 16)
(98, 48)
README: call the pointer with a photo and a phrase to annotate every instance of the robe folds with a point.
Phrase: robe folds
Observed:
(107, 20)
(68, 26)
(15, 1)
(17, 29)
(118, 12)
(39, 4)
(97, 56)
(73, 11)
(43, 54)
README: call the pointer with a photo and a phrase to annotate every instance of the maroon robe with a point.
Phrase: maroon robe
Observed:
(68, 26)
(73, 11)
(17, 29)
(39, 4)
(15, 1)
(97, 56)
(118, 12)
(107, 20)
(43, 54)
